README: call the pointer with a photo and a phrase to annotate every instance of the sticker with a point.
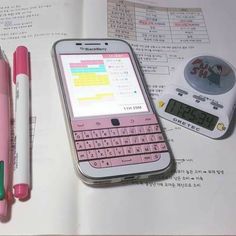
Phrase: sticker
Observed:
(209, 75)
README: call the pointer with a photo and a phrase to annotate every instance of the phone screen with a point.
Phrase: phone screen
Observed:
(102, 84)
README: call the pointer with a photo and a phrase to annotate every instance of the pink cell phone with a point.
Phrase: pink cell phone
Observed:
(114, 130)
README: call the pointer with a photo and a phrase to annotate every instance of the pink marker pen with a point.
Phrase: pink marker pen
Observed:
(4, 133)
(21, 77)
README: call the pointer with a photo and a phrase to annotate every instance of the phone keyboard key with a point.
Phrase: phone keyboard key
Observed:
(104, 148)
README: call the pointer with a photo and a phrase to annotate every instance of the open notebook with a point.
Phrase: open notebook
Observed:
(200, 197)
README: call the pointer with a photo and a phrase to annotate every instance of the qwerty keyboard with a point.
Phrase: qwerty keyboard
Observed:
(120, 146)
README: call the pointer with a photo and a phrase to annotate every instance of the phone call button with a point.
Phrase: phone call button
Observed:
(115, 122)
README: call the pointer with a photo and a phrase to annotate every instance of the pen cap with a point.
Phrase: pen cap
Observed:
(21, 62)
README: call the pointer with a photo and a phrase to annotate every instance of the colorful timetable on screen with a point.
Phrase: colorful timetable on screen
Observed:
(98, 81)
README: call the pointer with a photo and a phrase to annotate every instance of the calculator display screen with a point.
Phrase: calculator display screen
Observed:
(191, 114)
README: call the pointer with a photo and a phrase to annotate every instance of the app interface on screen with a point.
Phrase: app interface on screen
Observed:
(102, 84)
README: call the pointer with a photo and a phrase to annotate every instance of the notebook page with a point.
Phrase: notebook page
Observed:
(199, 197)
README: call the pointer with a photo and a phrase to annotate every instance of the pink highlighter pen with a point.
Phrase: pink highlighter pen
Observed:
(21, 77)
(4, 133)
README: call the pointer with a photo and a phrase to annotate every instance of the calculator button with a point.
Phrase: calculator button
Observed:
(82, 155)
(79, 145)
(95, 163)
(89, 144)
(78, 136)
(96, 134)
(87, 135)
(105, 163)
